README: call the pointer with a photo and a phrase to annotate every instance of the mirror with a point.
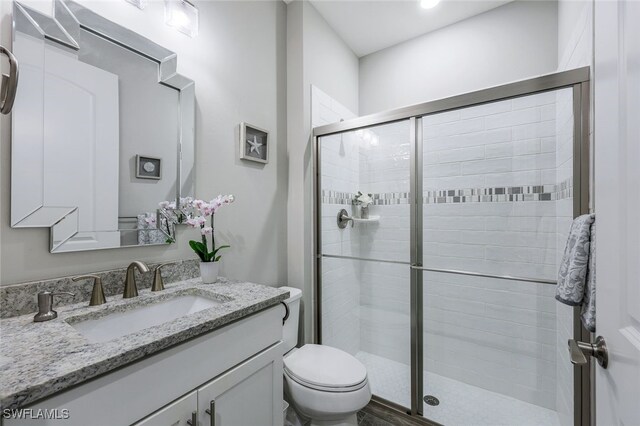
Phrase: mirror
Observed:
(102, 131)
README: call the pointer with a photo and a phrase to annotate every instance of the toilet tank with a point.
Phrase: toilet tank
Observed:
(290, 327)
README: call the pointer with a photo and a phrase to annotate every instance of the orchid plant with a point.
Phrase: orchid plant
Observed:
(203, 210)
(363, 200)
(196, 213)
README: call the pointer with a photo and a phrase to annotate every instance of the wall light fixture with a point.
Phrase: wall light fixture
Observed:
(182, 15)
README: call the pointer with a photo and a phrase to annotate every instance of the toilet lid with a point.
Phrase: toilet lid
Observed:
(324, 367)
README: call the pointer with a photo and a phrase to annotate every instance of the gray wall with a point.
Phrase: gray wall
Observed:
(315, 56)
(512, 42)
(238, 63)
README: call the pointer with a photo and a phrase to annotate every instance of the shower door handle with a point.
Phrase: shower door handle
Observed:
(580, 350)
(8, 83)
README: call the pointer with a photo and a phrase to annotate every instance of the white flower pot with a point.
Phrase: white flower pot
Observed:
(209, 272)
(364, 212)
(355, 211)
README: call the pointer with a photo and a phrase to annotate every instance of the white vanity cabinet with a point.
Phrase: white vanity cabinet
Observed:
(249, 394)
(177, 413)
(238, 367)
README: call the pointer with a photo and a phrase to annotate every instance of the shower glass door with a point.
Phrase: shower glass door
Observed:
(445, 291)
(497, 203)
(364, 258)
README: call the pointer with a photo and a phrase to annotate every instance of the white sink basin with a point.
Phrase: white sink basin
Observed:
(120, 324)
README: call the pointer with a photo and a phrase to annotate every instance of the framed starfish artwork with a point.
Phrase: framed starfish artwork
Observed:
(254, 144)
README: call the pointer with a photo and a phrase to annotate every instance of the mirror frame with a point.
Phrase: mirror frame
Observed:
(63, 28)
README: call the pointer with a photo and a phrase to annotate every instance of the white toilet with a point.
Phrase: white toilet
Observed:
(325, 385)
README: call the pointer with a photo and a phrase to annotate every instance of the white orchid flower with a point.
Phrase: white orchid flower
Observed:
(198, 204)
(363, 199)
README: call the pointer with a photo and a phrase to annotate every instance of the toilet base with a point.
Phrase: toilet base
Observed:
(352, 420)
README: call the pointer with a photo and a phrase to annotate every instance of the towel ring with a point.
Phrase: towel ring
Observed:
(9, 83)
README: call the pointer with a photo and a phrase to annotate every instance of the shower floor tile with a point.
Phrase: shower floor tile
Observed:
(460, 404)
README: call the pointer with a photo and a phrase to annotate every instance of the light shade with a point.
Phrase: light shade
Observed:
(182, 15)
(428, 4)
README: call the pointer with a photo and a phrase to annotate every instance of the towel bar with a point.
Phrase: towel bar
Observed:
(478, 274)
(445, 271)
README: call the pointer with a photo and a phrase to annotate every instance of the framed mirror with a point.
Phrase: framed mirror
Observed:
(102, 131)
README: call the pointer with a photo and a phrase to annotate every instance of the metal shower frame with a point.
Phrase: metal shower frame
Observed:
(578, 81)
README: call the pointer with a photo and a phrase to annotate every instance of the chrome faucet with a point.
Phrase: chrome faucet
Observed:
(130, 287)
(97, 295)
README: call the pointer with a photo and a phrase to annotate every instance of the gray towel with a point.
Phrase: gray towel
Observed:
(576, 277)
(588, 312)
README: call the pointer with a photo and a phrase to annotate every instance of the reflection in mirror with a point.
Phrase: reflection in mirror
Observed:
(103, 130)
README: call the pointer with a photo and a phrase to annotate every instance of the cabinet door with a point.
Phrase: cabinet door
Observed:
(174, 414)
(250, 394)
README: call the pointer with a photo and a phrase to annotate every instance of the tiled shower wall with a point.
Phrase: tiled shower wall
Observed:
(490, 192)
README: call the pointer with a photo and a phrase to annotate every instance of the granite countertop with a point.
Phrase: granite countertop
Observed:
(38, 360)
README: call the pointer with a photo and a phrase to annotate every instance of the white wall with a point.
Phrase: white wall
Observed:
(315, 56)
(511, 42)
(238, 64)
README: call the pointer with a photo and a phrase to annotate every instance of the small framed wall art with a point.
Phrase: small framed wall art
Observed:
(148, 167)
(254, 143)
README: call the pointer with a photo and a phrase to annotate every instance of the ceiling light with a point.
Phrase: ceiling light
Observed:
(428, 4)
(182, 15)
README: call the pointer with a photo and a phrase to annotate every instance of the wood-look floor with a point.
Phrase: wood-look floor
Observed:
(376, 414)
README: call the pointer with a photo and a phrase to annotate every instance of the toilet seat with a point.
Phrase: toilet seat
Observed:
(301, 382)
(325, 369)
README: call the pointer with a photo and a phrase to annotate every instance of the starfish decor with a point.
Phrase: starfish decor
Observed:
(255, 145)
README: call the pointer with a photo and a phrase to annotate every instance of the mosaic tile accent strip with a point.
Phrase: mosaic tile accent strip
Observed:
(560, 191)
(564, 189)
(491, 195)
(383, 199)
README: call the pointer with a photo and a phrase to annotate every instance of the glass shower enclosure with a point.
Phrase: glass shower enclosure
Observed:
(440, 278)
